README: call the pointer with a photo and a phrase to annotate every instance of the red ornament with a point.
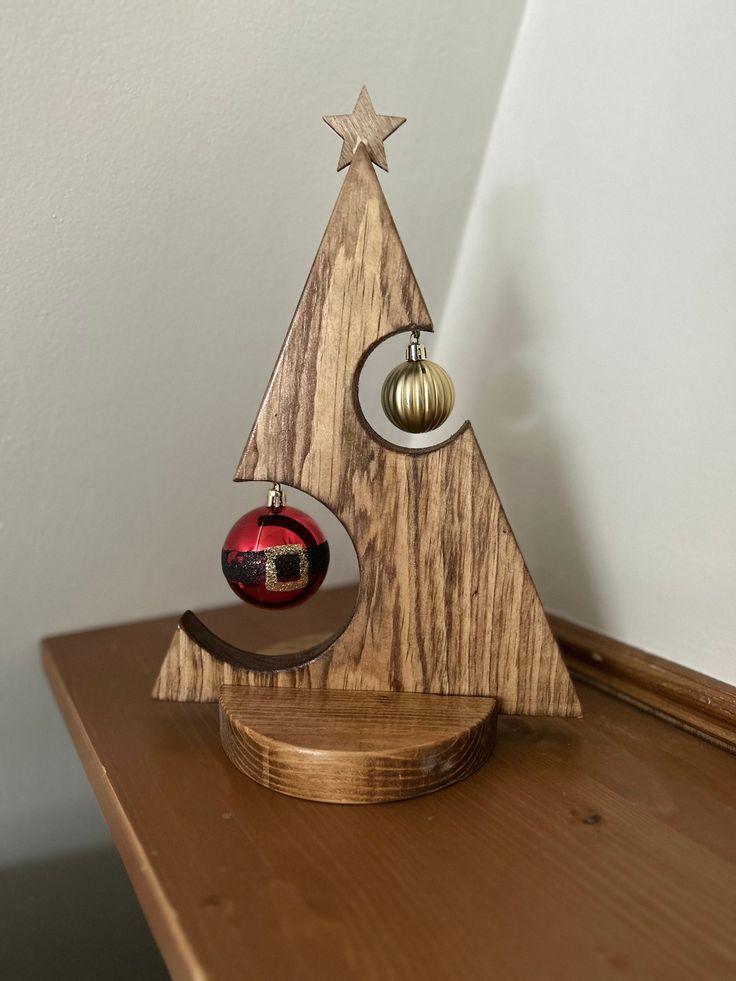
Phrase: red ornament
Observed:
(275, 556)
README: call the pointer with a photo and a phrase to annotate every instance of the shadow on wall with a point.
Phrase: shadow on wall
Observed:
(500, 326)
(74, 918)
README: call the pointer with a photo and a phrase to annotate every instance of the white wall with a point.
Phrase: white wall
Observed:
(591, 322)
(166, 181)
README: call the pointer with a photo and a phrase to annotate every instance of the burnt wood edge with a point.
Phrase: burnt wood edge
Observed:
(268, 664)
(688, 699)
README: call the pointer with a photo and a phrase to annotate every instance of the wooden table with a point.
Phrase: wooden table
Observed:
(586, 849)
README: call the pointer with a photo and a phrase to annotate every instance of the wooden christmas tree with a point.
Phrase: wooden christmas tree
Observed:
(445, 604)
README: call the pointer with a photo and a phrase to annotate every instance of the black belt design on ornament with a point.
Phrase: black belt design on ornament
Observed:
(250, 567)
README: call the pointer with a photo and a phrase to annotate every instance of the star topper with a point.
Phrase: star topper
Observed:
(364, 126)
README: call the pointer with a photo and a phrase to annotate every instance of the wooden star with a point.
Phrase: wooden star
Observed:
(364, 126)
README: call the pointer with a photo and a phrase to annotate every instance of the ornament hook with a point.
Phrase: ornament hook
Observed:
(416, 351)
(276, 497)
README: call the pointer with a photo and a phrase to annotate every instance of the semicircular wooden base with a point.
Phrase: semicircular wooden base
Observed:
(355, 747)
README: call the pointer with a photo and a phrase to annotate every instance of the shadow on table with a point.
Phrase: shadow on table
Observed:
(74, 917)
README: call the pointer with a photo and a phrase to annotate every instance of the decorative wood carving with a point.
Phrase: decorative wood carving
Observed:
(364, 126)
(447, 627)
(445, 602)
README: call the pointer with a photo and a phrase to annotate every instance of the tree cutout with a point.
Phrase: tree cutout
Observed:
(445, 602)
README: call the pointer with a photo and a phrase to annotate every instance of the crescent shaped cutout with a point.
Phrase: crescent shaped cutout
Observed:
(363, 420)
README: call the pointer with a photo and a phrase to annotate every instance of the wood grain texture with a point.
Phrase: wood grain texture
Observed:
(352, 747)
(363, 127)
(445, 603)
(687, 698)
(600, 848)
(198, 663)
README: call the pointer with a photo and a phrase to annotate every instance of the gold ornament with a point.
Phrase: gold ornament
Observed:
(417, 395)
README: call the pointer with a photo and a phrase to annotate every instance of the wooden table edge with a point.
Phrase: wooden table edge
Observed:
(161, 916)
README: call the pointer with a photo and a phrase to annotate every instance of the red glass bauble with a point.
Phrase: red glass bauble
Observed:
(275, 557)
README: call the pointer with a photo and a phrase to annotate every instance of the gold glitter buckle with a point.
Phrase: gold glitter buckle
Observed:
(273, 583)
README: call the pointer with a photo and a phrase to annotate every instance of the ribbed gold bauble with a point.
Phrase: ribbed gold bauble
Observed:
(418, 395)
